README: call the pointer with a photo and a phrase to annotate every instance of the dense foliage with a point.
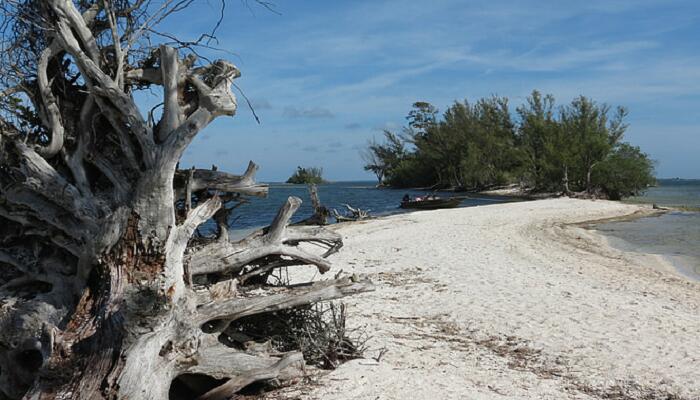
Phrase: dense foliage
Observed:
(624, 172)
(576, 147)
(307, 175)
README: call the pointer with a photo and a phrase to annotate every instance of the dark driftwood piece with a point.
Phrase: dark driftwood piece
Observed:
(107, 290)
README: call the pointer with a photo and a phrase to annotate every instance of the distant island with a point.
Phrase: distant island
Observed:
(307, 176)
(572, 149)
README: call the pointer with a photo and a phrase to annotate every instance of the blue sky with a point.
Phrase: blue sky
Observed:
(325, 76)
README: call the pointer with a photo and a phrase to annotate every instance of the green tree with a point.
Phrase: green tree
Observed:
(592, 134)
(472, 146)
(422, 117)
(307, 175)
(412, 171)
(382, 159)
(443, 146)
(537, 134)
(627, 171)
(374, 161)
(427, 160)
(495, 139)
(477, 145)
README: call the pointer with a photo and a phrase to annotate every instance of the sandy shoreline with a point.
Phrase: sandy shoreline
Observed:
(512, 301)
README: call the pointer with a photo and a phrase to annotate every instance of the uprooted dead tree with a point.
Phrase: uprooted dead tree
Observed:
(107, 289)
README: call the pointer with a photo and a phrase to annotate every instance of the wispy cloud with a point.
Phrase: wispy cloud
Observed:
(352, 69)
(313, 113)
(563, 58)
(261, 104)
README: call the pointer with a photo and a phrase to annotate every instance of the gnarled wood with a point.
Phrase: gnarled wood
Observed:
(202, 179)
(106, 280)
(231, 309)
(355, 214)
(276, 240)
(233, 385)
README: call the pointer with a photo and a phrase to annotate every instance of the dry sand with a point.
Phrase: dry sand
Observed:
(510, 301)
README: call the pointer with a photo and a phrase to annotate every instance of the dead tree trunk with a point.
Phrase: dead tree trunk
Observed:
(321, 213)
(565, 180)
(107, 289)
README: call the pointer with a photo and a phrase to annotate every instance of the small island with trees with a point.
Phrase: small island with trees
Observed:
(307, 176)
(573, 149)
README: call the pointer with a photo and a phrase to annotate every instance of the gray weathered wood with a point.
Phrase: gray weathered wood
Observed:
(101, 295)
(234, 308)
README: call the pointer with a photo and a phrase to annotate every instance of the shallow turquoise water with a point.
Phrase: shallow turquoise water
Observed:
(675, 236)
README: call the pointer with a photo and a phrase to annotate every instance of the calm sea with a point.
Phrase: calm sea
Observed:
(364, 195)
(672, 192)
(674, 235)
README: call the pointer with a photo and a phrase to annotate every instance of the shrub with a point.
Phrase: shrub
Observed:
(627, 171)
(307, 175)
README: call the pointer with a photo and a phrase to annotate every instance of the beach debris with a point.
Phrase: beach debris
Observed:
(658, 207)
(318, 331)
(321, 213)
(353, 214)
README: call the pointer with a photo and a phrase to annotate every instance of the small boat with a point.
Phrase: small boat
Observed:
(432, 203)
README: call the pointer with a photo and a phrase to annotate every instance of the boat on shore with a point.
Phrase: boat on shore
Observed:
(432, 203)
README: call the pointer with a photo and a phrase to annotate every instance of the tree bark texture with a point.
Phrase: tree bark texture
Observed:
(108, 290)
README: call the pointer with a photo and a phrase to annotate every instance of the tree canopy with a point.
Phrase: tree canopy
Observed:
(473, 146)
(307, 175)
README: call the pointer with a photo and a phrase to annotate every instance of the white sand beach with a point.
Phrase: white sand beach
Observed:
(509, 301)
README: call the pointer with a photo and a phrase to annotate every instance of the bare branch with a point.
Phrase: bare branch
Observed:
(203, 179)
(148, 75)
(42, 177)
(173, 116)
(278, 225)
(53, 114)
(237, 383)
(235, 308)
(275, 240)
(199, 215)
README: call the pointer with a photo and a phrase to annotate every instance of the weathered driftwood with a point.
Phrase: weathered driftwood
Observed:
(223, 256)
(355, 214)
(107, 290)
(235, 384)
(218, 314)
(321, 213)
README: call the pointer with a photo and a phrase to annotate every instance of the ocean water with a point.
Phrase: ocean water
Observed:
(674, 235)
(260, 211)
(672, 192)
